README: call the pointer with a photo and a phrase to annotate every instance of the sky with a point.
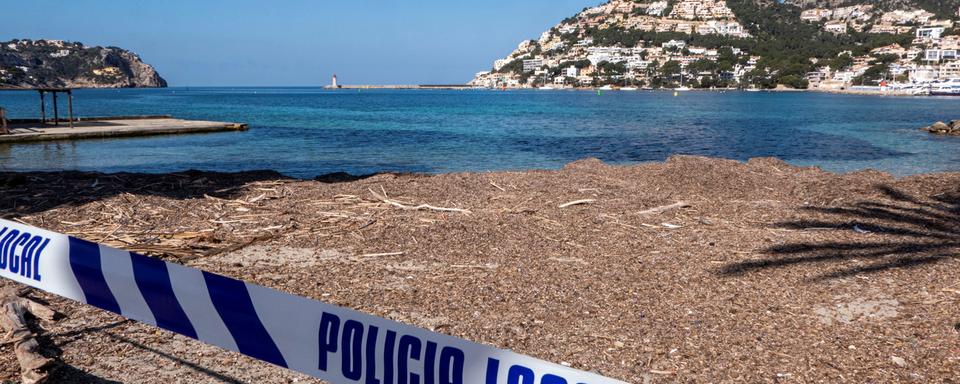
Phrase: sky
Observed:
(297, 42)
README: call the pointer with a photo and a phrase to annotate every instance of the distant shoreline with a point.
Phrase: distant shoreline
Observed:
(859, 92)
(403, 86)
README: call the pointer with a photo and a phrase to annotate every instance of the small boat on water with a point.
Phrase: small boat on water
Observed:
(753, 89)
(606, 88)
(546, 88)
(948, 87)
(628, 89)
(682, 89)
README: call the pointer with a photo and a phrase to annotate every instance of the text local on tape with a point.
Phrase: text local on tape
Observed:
(336, 344)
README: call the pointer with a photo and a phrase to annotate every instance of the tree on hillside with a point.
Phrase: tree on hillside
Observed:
(671, 67)
(874, 74)
(840, 62)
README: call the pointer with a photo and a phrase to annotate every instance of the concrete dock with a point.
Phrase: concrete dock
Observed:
(116, 127)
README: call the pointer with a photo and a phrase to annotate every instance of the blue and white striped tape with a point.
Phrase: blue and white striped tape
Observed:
(336, 344)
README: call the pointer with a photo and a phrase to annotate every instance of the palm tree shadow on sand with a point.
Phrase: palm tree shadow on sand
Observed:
(898, 232)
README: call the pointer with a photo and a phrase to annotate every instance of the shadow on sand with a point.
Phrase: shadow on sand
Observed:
(899, 231)
(36, 192)
(25, 193)
(66, 373)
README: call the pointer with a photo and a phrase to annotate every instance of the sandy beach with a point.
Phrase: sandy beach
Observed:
(690, 270)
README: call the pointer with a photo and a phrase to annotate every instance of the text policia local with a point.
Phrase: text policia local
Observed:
(20, 252)
(439, 365)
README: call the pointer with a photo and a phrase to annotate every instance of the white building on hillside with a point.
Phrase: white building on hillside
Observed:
(532, 64)
(678, 44)
(935, 55)
(567, 28)
(844, 76)
(917, 16)
(836, 27)
(657, 8)
(61, 53)
(929, 33)
(725, 28)
(816, 14)
(950, 70)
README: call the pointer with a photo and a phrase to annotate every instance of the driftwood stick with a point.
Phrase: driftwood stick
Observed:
(34, 367)
(576, 202)
(397, 204)
(664, 208)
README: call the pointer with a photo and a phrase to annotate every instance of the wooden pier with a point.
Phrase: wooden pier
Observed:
(27, 131)
(46, 129)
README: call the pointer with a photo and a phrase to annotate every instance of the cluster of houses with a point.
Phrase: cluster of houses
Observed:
(840, 20)
(58, 48)
(567, 56)
(568, 42)
(931, 57)
(701, 9)
(867, 18)
(691, 16)
(705, 17)
(640, 65)
(16, 45)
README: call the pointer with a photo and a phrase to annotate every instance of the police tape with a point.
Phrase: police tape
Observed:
(336, 344)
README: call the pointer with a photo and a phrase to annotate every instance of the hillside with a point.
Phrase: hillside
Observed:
(943, 8)
(54, 63)
(734, 43)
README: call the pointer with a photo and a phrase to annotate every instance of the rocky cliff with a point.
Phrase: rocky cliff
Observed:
(54, 63)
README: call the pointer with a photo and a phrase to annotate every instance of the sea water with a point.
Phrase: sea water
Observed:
(304, 132)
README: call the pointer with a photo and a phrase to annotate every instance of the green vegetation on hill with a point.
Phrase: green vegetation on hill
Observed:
(43, 63)
(787, 44)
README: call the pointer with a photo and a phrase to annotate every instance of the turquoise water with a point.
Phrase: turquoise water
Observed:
(304, 132)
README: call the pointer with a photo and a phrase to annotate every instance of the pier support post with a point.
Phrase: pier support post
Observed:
(3, 121)
(70, 103)
(43, 108)
(56, 114)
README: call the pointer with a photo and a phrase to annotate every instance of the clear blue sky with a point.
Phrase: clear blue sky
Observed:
(297, 42)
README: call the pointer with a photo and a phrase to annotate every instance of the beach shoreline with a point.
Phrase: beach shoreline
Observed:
(692, 269)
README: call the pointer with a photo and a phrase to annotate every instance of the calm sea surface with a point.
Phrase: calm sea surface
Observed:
(304, 132)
